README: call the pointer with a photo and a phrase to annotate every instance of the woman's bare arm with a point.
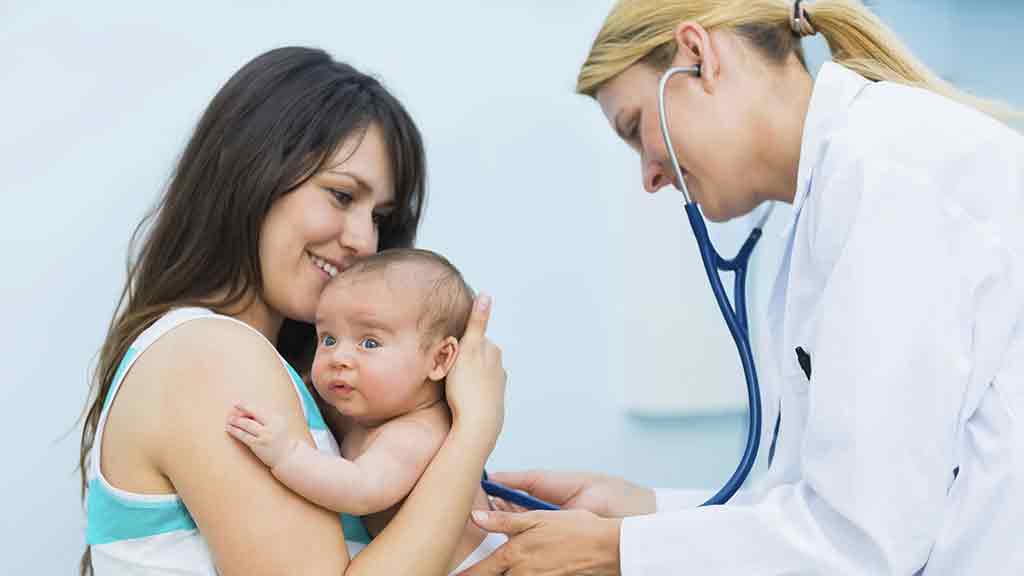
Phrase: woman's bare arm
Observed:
(256, 526)
(252, 523)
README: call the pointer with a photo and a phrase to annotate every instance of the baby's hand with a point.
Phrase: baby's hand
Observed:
(265, 435)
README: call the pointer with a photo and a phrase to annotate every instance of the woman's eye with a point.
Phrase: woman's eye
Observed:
(328, 341)
(631, 132)
(343, 198)
(369, 343)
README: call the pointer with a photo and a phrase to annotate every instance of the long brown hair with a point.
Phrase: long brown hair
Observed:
(269, 129)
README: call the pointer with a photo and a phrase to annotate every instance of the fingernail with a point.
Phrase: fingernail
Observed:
(479, 516)
(484, 302)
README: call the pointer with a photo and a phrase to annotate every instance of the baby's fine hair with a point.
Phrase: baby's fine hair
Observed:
(447, 297)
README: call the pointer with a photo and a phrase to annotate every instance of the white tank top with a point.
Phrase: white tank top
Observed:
(145, 534)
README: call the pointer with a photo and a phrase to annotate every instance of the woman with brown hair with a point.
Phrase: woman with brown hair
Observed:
(298, 166)
(892, 354)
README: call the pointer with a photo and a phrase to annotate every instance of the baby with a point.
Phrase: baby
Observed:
(387, 330)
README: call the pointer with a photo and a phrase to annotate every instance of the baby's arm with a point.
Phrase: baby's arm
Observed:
(374, 481)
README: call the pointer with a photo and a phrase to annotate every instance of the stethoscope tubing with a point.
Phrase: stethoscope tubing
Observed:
(514, 496)
(735, 316)
(736, 321)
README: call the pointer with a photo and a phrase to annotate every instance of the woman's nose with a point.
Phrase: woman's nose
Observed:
(360, 234)
(655, 177)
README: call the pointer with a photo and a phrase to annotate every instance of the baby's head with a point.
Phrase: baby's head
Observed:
(388, 330)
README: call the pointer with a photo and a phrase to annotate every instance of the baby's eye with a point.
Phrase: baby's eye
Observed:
(328, 340)
(369, 343)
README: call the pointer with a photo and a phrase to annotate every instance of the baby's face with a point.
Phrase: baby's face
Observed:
(370, 363)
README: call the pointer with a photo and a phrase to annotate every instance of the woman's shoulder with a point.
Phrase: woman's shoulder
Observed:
(201, 369)
(213, 356)
(214, 334)
(897, 126)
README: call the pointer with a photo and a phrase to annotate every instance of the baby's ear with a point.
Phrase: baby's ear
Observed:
(442, 358)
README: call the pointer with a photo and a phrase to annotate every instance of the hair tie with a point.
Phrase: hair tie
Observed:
(800, 23)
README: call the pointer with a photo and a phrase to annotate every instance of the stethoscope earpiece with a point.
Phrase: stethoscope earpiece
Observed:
(677, 172)
(734, 313)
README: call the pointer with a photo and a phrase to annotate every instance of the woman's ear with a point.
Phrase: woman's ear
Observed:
(694, 46)
(442, 358)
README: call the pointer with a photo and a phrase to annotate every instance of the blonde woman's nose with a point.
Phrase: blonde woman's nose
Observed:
(655, 176)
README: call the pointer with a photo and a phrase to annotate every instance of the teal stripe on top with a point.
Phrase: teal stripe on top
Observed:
(314, 419)
(111, 519)
(354, 529)
(129, 355)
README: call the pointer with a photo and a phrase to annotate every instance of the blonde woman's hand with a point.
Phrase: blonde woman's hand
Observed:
(475, 386)
(604, 495)
(554, 543)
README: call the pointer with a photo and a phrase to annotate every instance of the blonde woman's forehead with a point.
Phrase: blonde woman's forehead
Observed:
(630, 89)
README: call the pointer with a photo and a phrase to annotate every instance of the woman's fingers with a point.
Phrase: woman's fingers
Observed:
(525, 480)
(502, 559)
(475, 386)
(476, 327)
(555, 487)
(504, 506)
(553, 543)
(507, 523)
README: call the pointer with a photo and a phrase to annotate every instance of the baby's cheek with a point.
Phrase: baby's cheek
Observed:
(317, 368)
(387, 387)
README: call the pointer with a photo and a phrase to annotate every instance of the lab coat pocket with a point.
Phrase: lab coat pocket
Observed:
(797, 371)
(785, 462)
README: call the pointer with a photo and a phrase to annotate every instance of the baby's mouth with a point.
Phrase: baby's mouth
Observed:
(342, 388)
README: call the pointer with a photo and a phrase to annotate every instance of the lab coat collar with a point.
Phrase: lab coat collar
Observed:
(834, 91)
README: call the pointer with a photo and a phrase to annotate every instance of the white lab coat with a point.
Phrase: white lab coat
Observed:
(903, 278)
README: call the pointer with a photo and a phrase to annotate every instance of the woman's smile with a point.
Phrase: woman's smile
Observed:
(327, 268)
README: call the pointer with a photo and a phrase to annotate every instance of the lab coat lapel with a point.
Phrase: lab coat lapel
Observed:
(795, 295)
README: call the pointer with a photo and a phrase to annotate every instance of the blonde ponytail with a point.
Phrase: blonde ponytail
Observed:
(861, 42)
(638, 30)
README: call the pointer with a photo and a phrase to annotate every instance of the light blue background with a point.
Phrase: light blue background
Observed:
(527, 190)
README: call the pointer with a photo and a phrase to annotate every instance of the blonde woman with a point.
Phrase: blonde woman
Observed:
(898, 449)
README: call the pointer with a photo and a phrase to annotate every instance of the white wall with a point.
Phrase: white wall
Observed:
(530, 194)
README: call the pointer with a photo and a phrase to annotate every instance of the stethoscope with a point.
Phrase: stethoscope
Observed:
(735, 318)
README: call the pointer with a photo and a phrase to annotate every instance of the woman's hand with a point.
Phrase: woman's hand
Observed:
(475, 386)
(608, 496)
(550, 543)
